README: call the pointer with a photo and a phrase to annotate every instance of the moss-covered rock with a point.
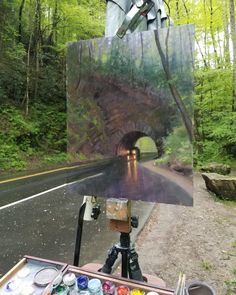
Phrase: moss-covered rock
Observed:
(216, 168)
(223, 186)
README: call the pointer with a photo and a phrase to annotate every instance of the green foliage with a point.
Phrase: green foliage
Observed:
(234, 271)
(146, 145)
(37, 127)
(214, 119)
(85, 123)
(209, 151)
(177, 148)
(43, 132)
(12, 54)
(231, 284)
(234, 244)
(215, 123)
(32, 75)
(10, 157)
(206, 265)
(14, 138)
(56, 158)
(231, 287)
(81, 20)
(51, 124)
(82, 157)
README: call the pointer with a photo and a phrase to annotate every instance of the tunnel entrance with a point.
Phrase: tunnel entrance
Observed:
(146, 145)
(139, 140)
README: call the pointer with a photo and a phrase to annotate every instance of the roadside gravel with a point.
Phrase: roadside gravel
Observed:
(198, 240)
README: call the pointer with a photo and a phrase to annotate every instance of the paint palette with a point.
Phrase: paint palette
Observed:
(30, 276)
(36, 276)
(80, 281)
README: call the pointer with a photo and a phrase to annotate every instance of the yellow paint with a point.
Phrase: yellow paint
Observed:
(137, 292)
(40, 173)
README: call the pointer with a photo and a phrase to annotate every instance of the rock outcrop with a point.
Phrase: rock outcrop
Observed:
(223, 186)
(216, 168)
(181, 168)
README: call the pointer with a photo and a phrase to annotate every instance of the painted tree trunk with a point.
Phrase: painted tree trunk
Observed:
(175, 93)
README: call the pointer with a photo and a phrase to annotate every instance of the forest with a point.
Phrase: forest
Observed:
(33, 40)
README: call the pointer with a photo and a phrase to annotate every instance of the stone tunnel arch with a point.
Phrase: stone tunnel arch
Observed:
(126, 138)
(119, 115)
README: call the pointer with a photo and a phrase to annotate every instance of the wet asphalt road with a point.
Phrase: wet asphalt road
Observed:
(45, 226)
(131, 180)
(23, 188)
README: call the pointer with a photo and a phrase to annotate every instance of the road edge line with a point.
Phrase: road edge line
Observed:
(48, 191)
(34, 196)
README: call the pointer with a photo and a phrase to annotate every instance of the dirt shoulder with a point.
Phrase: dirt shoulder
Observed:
(198, 240)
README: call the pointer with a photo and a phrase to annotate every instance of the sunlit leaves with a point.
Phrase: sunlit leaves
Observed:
(36, 59)
(214, 119)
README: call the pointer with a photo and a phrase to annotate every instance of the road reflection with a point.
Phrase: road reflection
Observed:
(132, 172)
(129, 179)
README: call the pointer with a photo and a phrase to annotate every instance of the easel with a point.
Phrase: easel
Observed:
(119, 213)
(89, 210)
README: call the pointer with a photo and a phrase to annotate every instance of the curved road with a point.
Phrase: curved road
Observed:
(136, 181)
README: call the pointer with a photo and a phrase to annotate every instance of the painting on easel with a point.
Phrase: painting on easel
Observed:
(130, 114)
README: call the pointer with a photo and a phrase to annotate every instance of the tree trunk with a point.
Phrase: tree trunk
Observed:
(20, 20)
(174, 91)
(205, 33)
(28, 76)
(233, 37)
(38, 41)
(55, 22)
(26, 99)
(201, 52)
(213, 36)
(225, 16)
(52, 38)
(198, 44)
(142, 51)
(221, 54)
(177, 11)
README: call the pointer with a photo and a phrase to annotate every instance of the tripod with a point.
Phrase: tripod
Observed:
(129, 263)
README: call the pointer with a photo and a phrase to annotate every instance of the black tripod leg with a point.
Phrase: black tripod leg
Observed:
(79, 234)
(124, 264)
(134, 268)
(112, 256)
(125, 245)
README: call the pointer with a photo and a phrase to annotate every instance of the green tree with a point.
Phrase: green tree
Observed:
(214, 118)
(33, 40)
